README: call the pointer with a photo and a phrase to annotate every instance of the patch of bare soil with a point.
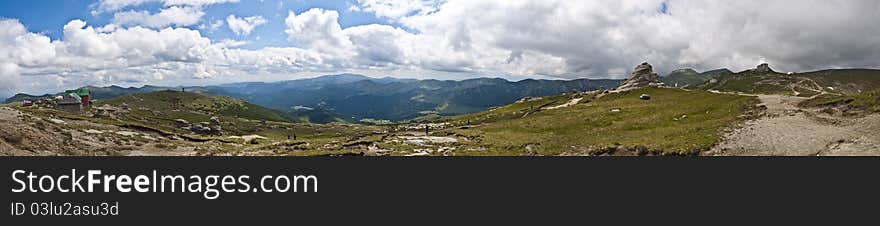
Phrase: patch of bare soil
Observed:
(791, 131)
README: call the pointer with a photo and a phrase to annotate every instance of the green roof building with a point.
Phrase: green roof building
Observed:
(83, 93)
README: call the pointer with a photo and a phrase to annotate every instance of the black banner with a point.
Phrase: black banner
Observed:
(423, 190)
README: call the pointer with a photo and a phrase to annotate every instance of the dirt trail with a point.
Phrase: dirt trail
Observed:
(790, 131)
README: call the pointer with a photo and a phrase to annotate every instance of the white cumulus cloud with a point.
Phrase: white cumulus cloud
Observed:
(181, 16)
(396, 9)
(244, 25)
(103, 6)
(445, 39)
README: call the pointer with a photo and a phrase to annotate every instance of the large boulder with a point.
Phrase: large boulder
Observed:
(763, 68)
(215, 125)
(215, 120)
(642, 76)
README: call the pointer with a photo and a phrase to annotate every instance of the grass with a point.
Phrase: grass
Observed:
(867, 101)
(511, 111)
(748, 82)
(648, 125)
(848, 81)
(179, 104)
(653, 126)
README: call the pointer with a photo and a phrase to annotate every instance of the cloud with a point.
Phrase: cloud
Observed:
(319, 30)
(396, 9)
(114, 5)
(180, 16)
(455, 38)
(9, 79)
(229, 43)
(85, 55)
(606, 38)
(216, 25)
(244, 26)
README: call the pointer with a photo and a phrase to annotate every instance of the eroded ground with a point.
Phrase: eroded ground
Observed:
(787, 130)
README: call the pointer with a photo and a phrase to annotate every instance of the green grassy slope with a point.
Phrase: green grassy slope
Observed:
(867, 101)
(160, 109)
(752, 82)
(651, 126)
(684, 78)
(512, 111)
(847, 81)
(843, 81)
(188, 105)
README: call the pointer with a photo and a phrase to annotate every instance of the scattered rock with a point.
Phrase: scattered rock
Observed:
(419, 154)
(645, 97)
(527, 99)
(424, 140)
(105, 111)
(249, 139)
(126, 133)
(56, 121)
(181, 123)
(93, 131)
(375, 150)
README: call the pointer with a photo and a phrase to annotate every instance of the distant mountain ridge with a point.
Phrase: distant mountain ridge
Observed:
(764, 80)
(355, 97)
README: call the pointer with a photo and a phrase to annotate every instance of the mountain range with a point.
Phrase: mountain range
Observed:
(358, 98)
(351, 97)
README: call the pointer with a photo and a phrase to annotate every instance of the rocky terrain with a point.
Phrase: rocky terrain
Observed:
(788, 130)
(27, 134)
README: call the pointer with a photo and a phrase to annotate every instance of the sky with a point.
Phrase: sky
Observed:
(50, 45)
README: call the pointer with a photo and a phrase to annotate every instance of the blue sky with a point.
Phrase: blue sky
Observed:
(51, 45)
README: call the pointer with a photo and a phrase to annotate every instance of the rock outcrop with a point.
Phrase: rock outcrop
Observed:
(182, 124)
(763, 68)
(642, 76)
(205, 128)
(215, 125)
